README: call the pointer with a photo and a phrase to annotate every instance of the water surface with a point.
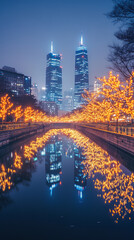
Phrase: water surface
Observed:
(63, 185)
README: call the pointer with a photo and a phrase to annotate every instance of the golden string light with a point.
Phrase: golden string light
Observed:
(5, 106)
(17, 112)
(114, 100)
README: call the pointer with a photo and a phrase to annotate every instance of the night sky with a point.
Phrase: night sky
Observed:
(29, 26)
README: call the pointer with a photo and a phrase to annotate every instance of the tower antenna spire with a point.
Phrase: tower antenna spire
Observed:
(51, 46)
(81, 40)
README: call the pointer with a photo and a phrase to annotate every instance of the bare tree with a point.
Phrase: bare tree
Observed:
(122, 55)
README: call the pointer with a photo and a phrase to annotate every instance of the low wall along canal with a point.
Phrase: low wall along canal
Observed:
(119, 140)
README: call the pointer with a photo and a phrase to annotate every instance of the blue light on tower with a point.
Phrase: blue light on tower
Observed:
(81, 74)
(54, 78)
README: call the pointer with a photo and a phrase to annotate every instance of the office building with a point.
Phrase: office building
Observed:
(97, 85)
(54, 78)
(68, 100)
(34, 90)
(27, 85)
(81, 74)
(13, 82)
(42, 94)
(51, 108)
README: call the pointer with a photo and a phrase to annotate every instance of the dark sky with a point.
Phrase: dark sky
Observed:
(29, 26)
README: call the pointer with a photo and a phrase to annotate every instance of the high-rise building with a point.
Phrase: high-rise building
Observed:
(81, 74)
(68, 100)
(97, 85)
(51, 108)
(13, 82)
(54, 78)
(27, 85)
(42, 94)
(34, 90)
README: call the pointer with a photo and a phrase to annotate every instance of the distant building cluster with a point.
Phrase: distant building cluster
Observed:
(13, 82)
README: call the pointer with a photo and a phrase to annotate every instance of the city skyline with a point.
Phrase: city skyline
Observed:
(67, 119)
(26, 39)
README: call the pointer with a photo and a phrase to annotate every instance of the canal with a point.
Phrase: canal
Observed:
(64, 185)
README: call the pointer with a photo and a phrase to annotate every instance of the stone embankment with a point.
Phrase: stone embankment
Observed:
(13, 135)
(121, 141)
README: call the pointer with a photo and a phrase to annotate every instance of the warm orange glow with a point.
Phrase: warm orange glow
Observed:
(5, 106)
(17, 161)
(112, 101)
(18, 113)
(116, 187)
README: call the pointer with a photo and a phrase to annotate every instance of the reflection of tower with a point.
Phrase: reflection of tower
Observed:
(81, 74)
(80, 180)
(53, 163)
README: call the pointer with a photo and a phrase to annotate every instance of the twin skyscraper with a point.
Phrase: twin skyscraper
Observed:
(54, 76)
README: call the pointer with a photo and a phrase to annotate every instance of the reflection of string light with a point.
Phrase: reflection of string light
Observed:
(117, 187)
(18, 112)
(5, 180)
(17, 162)
(5, 106)
(6, 174)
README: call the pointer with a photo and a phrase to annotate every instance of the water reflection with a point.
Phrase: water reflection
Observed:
(80, 179)
(115, 184)
(53, 162)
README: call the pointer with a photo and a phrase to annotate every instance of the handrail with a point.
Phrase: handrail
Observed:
(124, 130)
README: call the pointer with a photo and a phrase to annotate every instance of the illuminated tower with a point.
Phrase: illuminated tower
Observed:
(54, 78)
(81, 74)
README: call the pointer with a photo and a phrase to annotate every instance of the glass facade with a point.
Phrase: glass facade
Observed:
(13, 82)
(50, 108)
(68, 100)
(54, 79)
(81, 74)
(27, 85)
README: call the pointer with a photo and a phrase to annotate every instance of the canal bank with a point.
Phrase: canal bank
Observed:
(123, 142)
(9, 136)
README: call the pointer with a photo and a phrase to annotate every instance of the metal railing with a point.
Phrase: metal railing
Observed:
(127, 129)
(11, 126)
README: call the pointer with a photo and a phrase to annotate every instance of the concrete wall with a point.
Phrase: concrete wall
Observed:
(10, 136)
(121, 141)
